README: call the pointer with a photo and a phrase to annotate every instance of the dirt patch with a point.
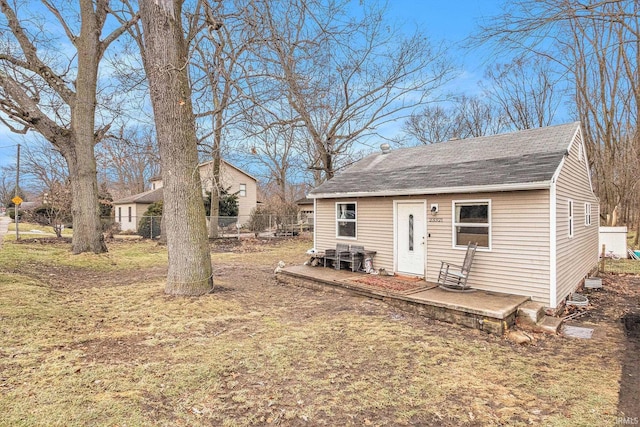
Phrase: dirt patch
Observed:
(43, 240)
(631, 323)
(66, 277)
(618, 304)
(245, 244)
(257, 352)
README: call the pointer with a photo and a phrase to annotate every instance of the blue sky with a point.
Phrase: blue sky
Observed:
(448, 20)
(451, 21)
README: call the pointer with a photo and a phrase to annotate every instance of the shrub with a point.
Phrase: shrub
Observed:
(150, 224)
(258, 220)
(12, 214)
(227, 207)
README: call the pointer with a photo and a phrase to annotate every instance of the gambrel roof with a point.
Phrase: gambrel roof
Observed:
(512, 161)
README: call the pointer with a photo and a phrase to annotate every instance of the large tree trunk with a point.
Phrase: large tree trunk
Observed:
(81, 159)
(166, 62)
(85, 209)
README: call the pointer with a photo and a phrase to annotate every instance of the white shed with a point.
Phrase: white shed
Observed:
(614, 239)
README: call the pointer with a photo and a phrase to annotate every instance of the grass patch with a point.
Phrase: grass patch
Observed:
(108, 352)
(121, 256)
(621, 266)
(28, 230)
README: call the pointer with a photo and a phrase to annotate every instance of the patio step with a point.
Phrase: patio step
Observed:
(550, 324)
(531, 316)
(530, 312)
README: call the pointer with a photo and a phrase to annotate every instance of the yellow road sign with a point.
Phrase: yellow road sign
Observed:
(17, 200)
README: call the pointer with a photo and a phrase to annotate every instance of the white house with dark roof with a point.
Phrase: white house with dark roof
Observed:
(526, 198)
(129, 210)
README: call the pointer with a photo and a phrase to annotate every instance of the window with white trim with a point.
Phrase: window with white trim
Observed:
(587, 214)
(570, 217)
(472, 223)
(243, 190)
(346, 219)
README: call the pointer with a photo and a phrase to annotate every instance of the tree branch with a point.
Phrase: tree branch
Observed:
(30, 52)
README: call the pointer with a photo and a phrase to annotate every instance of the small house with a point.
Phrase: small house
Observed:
(129, 210)
(525, 198)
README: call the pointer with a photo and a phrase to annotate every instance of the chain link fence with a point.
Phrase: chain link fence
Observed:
(264, 226)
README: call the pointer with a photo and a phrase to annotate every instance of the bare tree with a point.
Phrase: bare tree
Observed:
(430, 125)
(7, 185)
(344, 76)
(477, 117)
(219, 43)
(42, 166)
(57, 202)
(274, 146)
(463, 117)
(526, 92)
(43, 91)
(165, 57)
(127, 160)
(596, 45)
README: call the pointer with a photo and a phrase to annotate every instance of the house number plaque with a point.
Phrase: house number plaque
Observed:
(435, 219)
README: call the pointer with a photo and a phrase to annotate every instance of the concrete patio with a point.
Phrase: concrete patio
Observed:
(488, 311)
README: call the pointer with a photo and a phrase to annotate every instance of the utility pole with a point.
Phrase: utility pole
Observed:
(17, 197)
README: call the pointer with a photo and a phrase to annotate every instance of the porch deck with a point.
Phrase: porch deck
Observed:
(489, 311)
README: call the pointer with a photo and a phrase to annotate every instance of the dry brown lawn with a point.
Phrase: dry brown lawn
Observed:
(93, 340)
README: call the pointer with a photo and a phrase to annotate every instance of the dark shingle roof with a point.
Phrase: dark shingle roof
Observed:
(525, 157)
(150, 196)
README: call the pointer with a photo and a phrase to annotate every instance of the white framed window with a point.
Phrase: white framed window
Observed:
(570, 217)
(587, 214)
(119, 213)
(129, 213)
(472, 223)
(243, 190)
(346, 219)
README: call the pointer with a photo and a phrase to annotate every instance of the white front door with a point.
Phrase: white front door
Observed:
(410, 237)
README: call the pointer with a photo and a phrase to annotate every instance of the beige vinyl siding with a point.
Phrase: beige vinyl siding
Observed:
(518, 262)
(231, 178)
(374, 227)
(578, 255)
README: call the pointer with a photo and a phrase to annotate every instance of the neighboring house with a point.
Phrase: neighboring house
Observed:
(526, 198)
(235, 181)
(129, 210)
